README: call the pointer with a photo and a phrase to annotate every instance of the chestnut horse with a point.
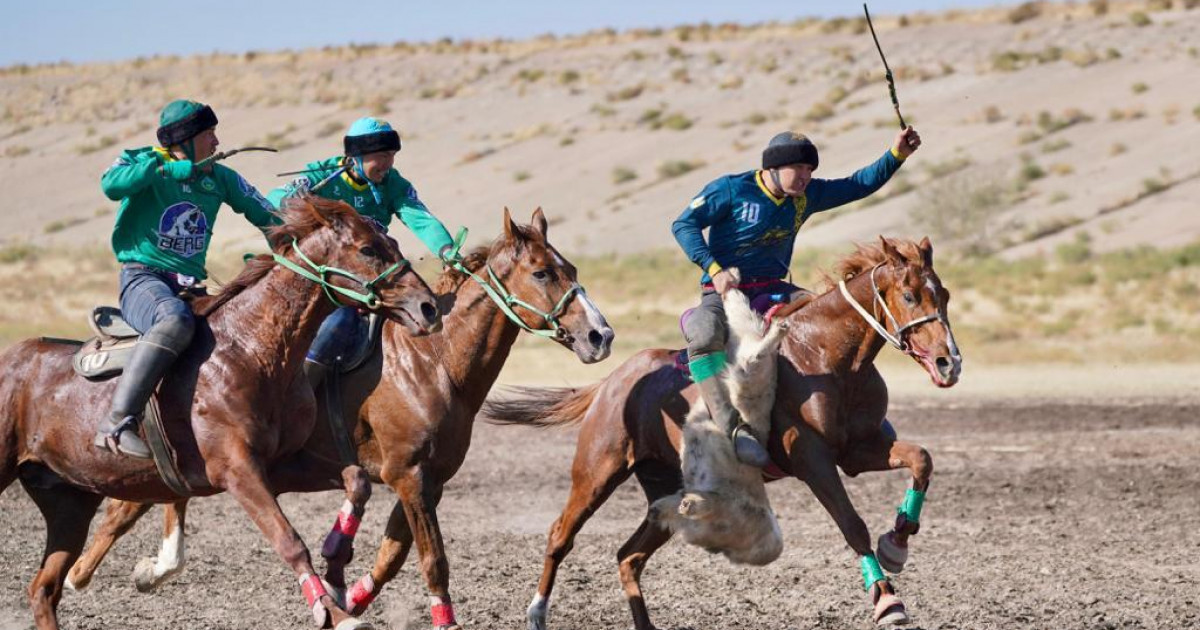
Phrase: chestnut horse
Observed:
(415, 428)
(829, 412)
(239, 387)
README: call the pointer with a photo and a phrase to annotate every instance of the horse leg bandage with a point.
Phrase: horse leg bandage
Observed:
(871, 571)
(360, 595)
(343, 532)
(313, 591)
(443, 613)
(908, 519)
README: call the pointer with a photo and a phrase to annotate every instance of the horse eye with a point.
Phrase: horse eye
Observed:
(369, 251)
(541, 275)
(909, 298)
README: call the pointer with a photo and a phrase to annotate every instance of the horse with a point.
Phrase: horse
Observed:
(237, 397)
(829, 413)
(414, 430)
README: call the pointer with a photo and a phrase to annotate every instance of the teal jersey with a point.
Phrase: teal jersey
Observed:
(398, 198)
(168, 224)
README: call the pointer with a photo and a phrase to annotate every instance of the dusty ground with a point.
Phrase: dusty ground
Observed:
(1041, 515)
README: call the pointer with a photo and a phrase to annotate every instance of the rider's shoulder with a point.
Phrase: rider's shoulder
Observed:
(140, 154)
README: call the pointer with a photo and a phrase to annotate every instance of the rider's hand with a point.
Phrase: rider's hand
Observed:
(723, 282)
(178, 170)
(907, 142)
(449, 256)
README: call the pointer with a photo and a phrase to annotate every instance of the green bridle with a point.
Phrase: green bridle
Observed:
(370, 299)
(505, 300)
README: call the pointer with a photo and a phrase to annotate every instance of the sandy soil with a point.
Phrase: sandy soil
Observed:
(1041, 515)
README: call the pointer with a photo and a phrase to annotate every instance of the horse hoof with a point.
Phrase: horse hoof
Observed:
(350, 623)
(143, 575)
(890, 611)
(891, 555)
(72, 586)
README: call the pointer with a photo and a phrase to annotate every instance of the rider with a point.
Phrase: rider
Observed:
(752, 220)
(168, 208)
(364, 178)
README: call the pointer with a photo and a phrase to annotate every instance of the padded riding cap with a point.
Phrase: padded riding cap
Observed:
(789, 148)
(368, 135)
(183, 120)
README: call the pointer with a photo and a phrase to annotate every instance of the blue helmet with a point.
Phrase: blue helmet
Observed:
(368, 135)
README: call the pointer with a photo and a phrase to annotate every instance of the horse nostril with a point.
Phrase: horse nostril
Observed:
(943, 365)
(596, 338)
(429, 311)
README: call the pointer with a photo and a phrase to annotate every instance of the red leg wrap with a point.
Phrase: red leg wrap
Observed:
(360, 595)
(313, 591)
(443, 615)
(347, 524)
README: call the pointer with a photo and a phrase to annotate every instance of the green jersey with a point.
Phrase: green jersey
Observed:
(398, 197)
(167, 224)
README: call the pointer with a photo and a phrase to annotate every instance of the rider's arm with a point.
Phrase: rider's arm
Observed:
(295, 187)
(709, 207)
(824, 194)
(246, 200)
(418, 218)
(128, 175)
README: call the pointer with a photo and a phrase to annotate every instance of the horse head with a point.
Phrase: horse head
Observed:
(543, 292)
(361, 266)
(912, 307)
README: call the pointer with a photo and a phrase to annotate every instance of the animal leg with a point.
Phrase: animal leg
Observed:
(68, 512)
(889, 454)
(150, 573)
(119, 517)
(338, 549)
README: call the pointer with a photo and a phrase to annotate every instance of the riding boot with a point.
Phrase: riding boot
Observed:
(315, 371)
(745, 445)
(119, 432)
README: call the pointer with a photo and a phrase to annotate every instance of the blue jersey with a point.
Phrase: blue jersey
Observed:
(753, 230)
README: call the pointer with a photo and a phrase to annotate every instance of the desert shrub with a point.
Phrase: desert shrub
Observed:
(627, 93)
(676, 122)
(819, 111)
(758, 118)
(1159, 5)
(1099, 7)
(328, 129)
(676, 168)
(16, 150)
(10, 254)
(1139, 88)
(567, 77)
(961, 209)
(1139, 18)
(992, 114)
(521, 176)
(1058, 196)
(1075, 251)
(1024, 12)
(1056, 145)
(622, 174)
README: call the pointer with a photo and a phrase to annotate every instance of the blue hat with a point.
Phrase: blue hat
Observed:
(368, 135)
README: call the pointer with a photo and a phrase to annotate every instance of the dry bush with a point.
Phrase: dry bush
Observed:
(1099, 7)
(677, 168)
(962, 210)
(622, 174)
(1139, 19)
(627, 93)
(1024, 12)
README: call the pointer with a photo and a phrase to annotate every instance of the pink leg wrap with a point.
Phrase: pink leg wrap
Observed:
(360, 595)
(347, 523)
(313, 591)
(443, 615)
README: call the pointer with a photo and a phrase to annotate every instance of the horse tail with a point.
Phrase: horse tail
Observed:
(540, 406)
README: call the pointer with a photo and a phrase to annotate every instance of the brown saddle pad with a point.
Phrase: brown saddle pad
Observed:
(106, 354)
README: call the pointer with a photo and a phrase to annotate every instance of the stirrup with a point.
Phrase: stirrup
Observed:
(111, 440)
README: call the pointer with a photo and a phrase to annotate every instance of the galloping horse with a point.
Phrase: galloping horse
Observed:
(829, 412)
(238, 387)
(415, 428)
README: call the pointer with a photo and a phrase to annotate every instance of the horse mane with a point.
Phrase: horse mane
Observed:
(451, 279)
(867, 256)
(300, 217)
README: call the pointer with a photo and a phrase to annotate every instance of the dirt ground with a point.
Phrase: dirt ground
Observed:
(1041, 515)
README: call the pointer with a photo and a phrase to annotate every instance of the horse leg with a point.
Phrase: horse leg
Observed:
(420, 496)
(888, 454)
(657, 481)
(119, 517)
(150, 573)
(68, 512)
(338, 549)
(248, 486)
(592, 482)
(397, 541)
(814, 462)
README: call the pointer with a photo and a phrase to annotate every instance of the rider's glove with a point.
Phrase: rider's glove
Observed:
(178, 170)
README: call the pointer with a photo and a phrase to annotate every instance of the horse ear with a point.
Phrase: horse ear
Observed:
(893, 255)
(926, 252)
(511, 231)
(540, 225)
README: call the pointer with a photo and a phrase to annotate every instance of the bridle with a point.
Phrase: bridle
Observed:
(897, 340)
